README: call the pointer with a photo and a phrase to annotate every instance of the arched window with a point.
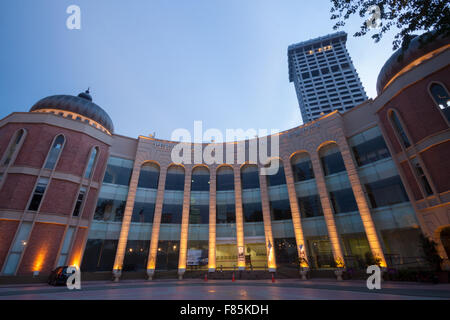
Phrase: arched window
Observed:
(149, 176)
(17, 138)
(399, 129)
(331, 159)
(302, 167)
(54, 152)
(441, 98)
(91, 163)
(278, 178)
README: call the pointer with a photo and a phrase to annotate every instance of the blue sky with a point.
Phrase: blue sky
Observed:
(159, 65)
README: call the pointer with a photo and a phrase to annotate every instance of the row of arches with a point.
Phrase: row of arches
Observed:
(329, 154)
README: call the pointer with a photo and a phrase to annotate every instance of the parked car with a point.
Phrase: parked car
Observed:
(59, 276)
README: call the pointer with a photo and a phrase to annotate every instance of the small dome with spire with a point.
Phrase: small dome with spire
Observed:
(85, 95)
(81, 104)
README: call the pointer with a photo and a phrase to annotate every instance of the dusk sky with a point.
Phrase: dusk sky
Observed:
(159, 65)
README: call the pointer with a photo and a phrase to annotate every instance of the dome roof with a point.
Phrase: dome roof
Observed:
(403, 57)
(81, 104)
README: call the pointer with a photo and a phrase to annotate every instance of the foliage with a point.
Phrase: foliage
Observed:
(408, 16)
(430, 253)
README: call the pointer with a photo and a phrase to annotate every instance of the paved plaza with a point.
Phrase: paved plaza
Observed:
(293, 289)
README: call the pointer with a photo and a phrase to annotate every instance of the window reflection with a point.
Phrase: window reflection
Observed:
(225, 179)
(38, 194)
(91, 163)
(167, 255)
(225, 198)
(310, 206)
(331, 159)
(149, 176)
(99, 255)
(175, 178)
(109, 210)
(54, 152)
(136, 255)
(371, 151)
(200, 179)
(251, 198)
(117, 174)
(399, 129)
(277, 179)
(343, 201)
(143, 212)
(17, 138)
(442, 98)
(386, 192)
(250, 177)
(302, 167)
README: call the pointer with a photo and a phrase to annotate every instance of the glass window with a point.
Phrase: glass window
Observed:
(13, 147)
(54, 152)
(422, 177)
(167, 255)
(250, 177)
(371, 151)
(81, 194)
(399, 128)
(325, 70)
(99, 255)
(280, 209)
(109, 210)
(38, 194)
(136, 255)
(172, 213)
(442, 98)
(302, 167)
(225, 213)
(343, 201)
(225, 179)
(149, 176)
(91, 163)
(331, 159)
(310, 206)
(175, 178)
(200, 179)
(118, 174)
(199, 214)
(143, 212)
(252, 212)
(278, 178)
(386, 192)
(286, 252)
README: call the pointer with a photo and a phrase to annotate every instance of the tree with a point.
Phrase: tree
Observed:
(430, 253)
(409, 16)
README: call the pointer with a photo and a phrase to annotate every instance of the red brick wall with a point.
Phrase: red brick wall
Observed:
(411, 180)
(417, 109)
(16, 191)
(60, 197)
(437, 162)
(76, 254)
(7, 230)
(42, 248)
(74, 156)
(6, 133)
(91, 203)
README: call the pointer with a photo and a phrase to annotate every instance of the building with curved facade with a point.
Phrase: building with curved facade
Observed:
(352, 188)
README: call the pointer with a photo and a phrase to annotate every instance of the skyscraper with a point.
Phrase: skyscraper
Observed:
(324, 76)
